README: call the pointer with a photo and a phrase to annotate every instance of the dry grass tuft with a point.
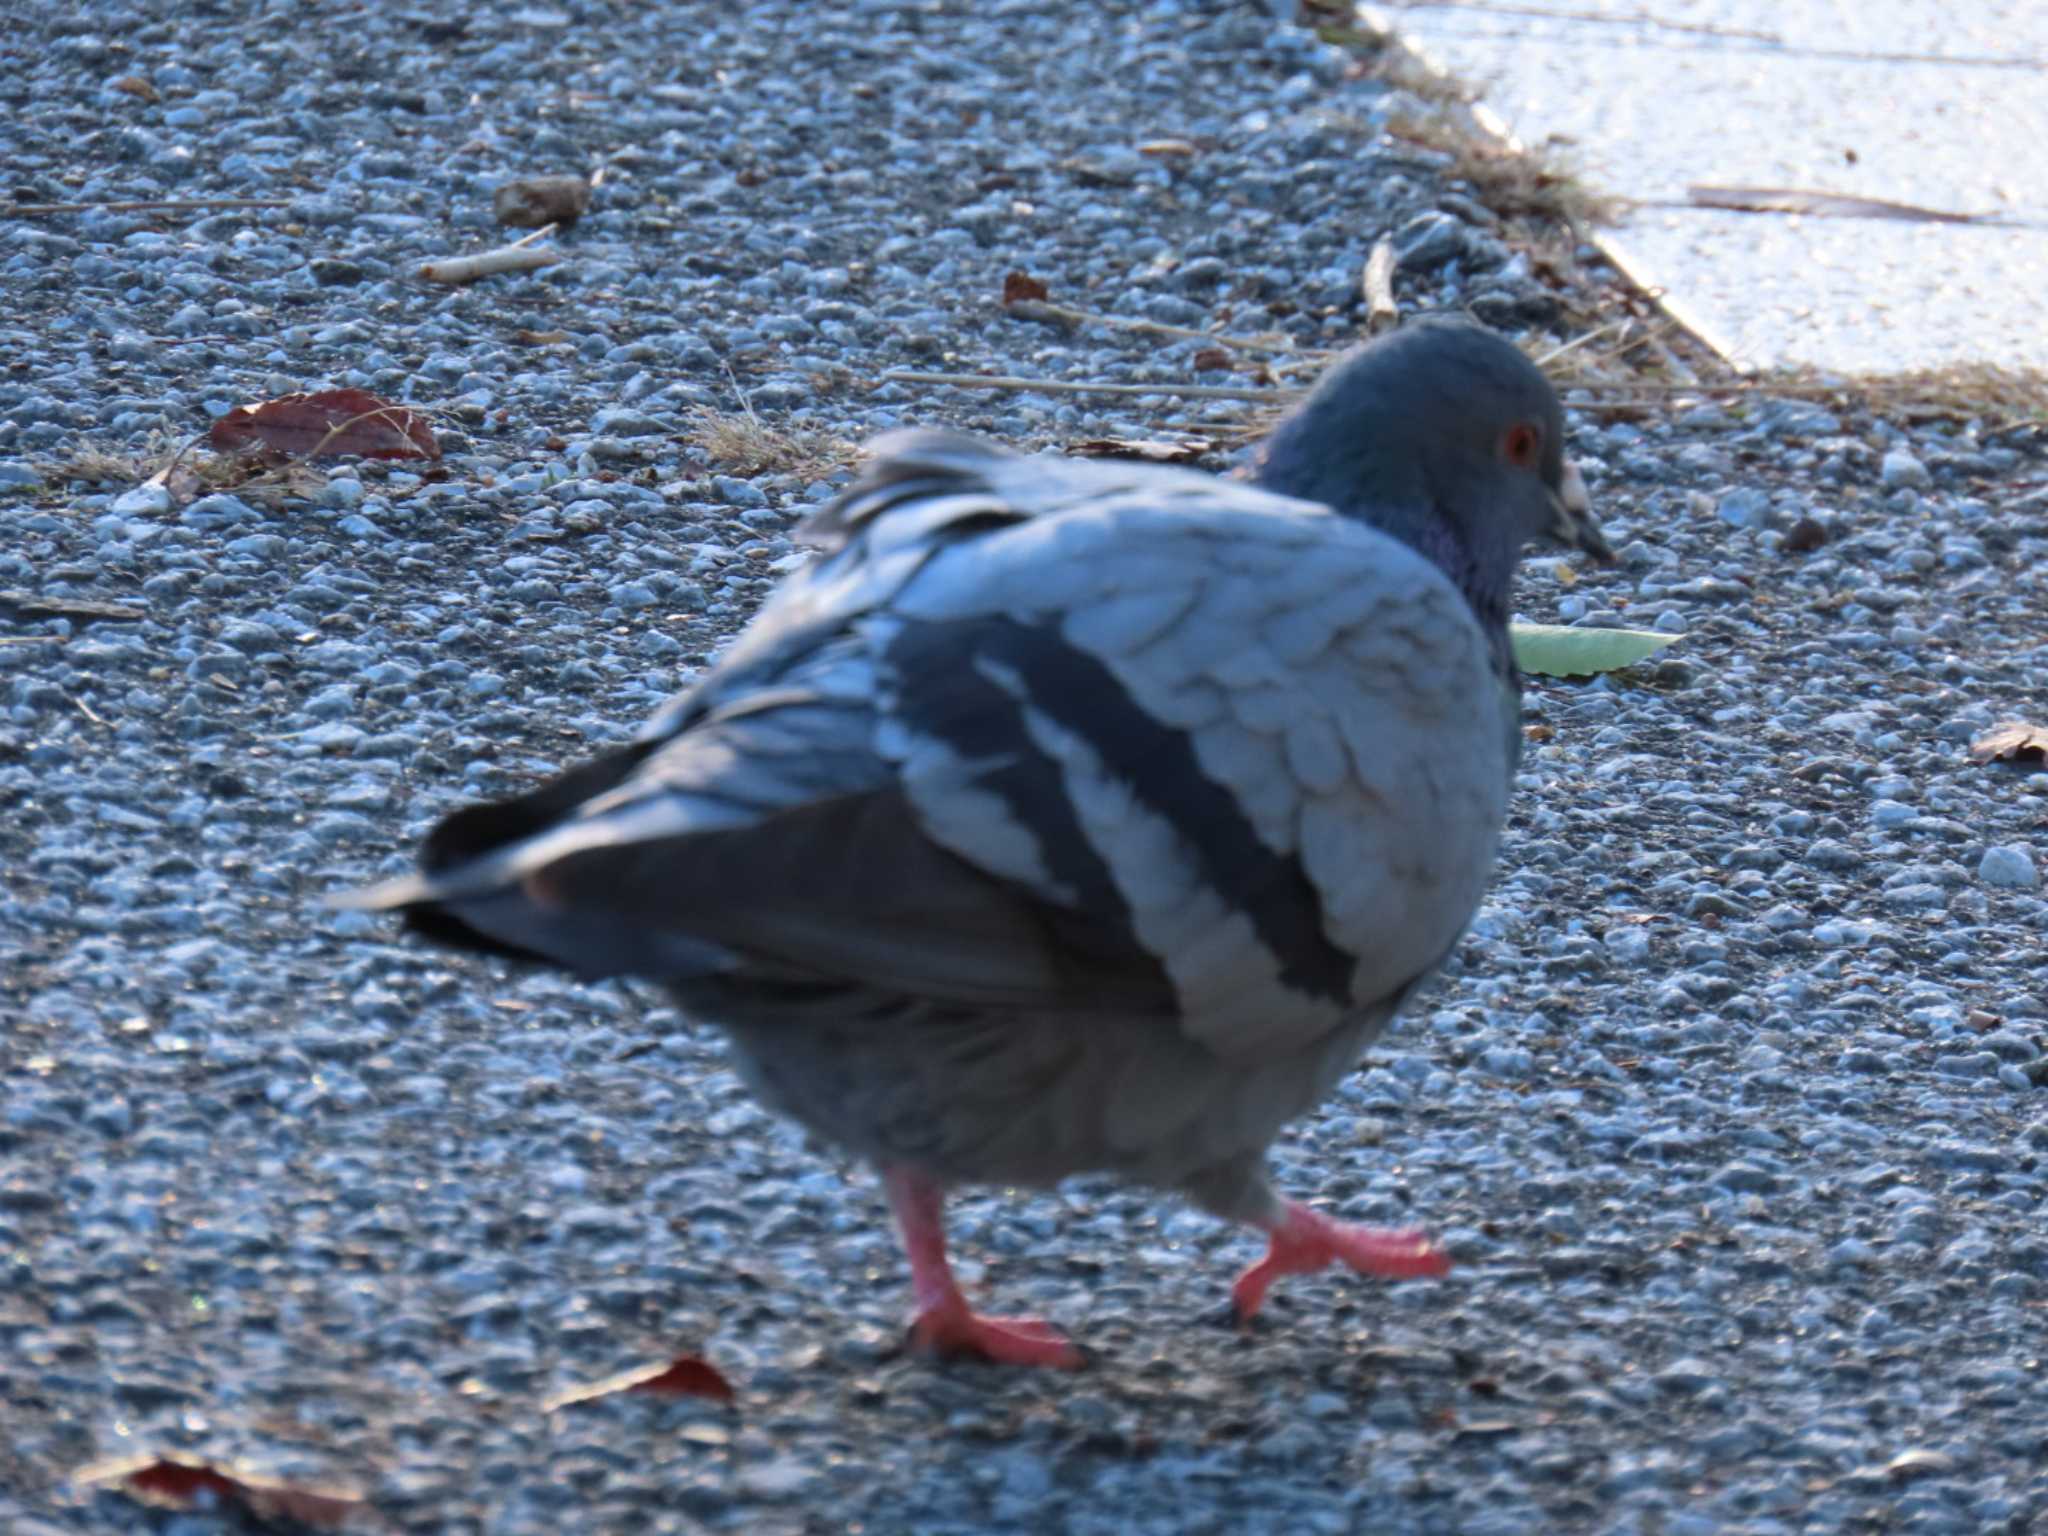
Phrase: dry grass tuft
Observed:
(189, 473)
(747, 445)
(1539, 184)
(269, 486)
(1381, 55)
(1630, 368)
(94, 465)
(1642, 365)
(1619, 355)
(1996, 396)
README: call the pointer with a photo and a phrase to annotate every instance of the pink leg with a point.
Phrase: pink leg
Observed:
(1304, 1241)
(945, 1325)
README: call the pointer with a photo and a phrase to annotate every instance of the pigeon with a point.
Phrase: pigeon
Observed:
(1075, 817)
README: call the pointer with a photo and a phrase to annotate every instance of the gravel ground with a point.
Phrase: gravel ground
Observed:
(1729, 1105)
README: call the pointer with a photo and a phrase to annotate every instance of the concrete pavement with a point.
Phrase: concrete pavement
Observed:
(1912, 101)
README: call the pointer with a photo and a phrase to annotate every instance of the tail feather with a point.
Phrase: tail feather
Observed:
(476, 830)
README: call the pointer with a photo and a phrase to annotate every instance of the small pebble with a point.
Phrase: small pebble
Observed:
(2009, 867)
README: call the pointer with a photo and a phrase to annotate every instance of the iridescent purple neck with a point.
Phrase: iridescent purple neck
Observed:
(1484, 584)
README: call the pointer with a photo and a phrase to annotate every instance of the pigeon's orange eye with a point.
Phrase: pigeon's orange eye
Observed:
(1522, 444)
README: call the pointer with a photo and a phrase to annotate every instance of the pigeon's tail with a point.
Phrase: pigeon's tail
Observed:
(508, 922)
(478, 886)
(632, 864)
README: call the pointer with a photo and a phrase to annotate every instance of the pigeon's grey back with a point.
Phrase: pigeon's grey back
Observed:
(1063, 816)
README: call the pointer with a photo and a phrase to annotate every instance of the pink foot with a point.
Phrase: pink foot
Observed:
(951, 1333)
(945, 1325)
(1304, 1241)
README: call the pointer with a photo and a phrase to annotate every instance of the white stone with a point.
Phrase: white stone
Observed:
(1900, 468)
(143, 501)
(2010, 867)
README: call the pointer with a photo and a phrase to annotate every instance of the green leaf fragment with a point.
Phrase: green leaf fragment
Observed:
(1555, 650)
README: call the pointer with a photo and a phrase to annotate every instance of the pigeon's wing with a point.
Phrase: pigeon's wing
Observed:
(1040, 734)
(765, 836)
(755, 828)
(1268, 742)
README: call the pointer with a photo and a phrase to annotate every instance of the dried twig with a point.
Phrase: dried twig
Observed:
(163, 475)
(1827, 205)
(147, 205)
(1585, 338)
(1674, 365)
(1081, 387)
(21, 605)
(1381, 312)
(519, 256)
(1059, 314)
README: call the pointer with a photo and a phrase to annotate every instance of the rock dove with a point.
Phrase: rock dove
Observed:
(1076, 817)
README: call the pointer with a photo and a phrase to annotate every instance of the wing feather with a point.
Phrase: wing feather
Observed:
(1036, 733)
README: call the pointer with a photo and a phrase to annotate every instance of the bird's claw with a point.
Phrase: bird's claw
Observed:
(952, 1333)
(1304, 1241)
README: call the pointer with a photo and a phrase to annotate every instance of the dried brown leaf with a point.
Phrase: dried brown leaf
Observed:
(1022, 288)
(1098, 170)
(684, 1376)
(1804, 536)
(533, 201)
(136, 86)
(179, 1482)
(331, 422)
(2012, 741)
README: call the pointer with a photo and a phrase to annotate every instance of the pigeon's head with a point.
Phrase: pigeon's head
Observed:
(1447, 437)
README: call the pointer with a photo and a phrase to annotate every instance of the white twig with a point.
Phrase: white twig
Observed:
(1381, 312)
(519, 256)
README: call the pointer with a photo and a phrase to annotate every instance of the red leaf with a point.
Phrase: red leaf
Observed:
(684, 1376)
(177, 1482)
(1022, 287)
(180, 1482)
(687, 1376)
(330, 423)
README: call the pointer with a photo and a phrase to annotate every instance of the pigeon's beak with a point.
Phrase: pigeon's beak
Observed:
(1572, 523)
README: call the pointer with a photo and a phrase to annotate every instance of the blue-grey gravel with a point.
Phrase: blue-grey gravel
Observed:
(328, 1237)
(1070, 818)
